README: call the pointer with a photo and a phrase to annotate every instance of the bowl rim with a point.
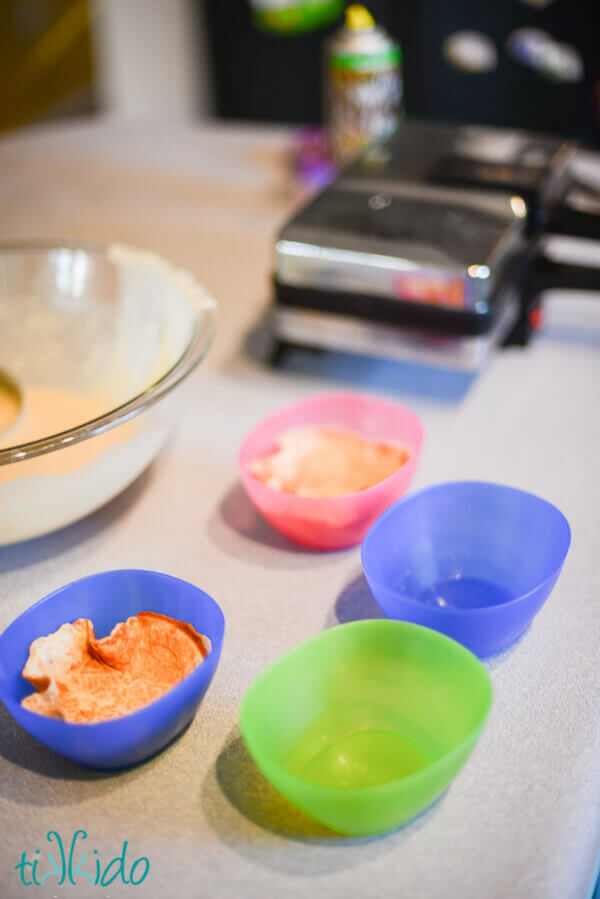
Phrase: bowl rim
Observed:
(369, 492)
(376, 789)
(193, 353)
(482, 610)
(188, 681)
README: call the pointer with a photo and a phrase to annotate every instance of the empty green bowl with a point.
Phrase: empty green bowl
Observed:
(366, 724)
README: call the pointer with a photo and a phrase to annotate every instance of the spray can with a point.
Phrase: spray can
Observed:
(363, 85)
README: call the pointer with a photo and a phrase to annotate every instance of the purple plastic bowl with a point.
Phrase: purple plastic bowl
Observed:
(106, 599)
(473, 560)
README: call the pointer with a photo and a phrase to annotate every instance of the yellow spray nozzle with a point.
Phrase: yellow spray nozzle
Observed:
(358, 18)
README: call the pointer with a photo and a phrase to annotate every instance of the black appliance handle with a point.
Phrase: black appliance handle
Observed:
(577, 267)
(577, 211)
(577, 214)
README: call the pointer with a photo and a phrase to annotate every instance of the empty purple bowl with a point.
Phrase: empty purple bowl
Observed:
(473, 560)
(106, 599)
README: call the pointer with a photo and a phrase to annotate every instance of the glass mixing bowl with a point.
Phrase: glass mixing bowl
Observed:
(93, 339)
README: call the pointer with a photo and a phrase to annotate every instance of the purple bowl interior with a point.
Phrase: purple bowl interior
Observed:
(106, 599)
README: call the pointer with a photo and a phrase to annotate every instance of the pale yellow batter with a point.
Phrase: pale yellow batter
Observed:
(45, 412)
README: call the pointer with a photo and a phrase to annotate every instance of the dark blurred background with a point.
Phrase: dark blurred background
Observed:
(196, 58)
(262, 76)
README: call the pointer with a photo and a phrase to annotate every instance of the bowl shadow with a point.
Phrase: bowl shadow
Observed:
(41, 767)
(254, 819)
(354, 603)
(237, 528)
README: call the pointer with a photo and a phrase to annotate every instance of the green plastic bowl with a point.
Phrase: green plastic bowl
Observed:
(366, 724)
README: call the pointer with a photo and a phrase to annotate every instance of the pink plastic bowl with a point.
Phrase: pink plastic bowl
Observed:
(332, 523)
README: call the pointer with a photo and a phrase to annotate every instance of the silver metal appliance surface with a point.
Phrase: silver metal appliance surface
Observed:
(322, 330)
(426, 247)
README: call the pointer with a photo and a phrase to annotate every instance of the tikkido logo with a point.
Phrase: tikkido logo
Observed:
(68, 868)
